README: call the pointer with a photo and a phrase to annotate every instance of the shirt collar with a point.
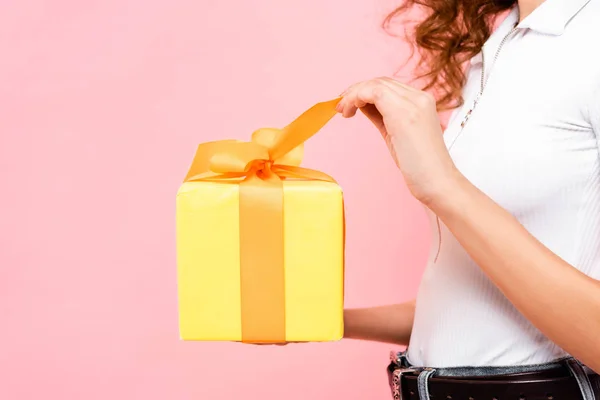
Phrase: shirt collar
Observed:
(507, 24)
(552, 16)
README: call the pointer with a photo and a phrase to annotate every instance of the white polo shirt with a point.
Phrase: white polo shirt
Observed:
(532, 145)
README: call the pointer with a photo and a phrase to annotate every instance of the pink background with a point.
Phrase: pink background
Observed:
(102, 103)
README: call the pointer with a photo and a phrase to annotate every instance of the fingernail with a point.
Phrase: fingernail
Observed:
(339, 107)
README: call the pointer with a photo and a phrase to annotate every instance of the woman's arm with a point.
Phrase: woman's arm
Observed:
(559, 300)
(387, 324)
(562, 302)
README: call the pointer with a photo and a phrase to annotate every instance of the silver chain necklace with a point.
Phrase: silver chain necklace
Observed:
(483, 83)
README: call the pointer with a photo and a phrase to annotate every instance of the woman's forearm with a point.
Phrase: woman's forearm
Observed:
(558, 299)
(386, 324)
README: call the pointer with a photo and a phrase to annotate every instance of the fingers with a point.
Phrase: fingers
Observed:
(348, 105)
(418, 97)
(372, 92)
(355, 97)
(387, 95)
(395, 82)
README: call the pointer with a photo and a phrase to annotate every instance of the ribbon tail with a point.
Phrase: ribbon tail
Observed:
(262, 269)
(303, 128)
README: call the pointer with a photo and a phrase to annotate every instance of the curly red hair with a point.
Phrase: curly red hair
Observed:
(452, 32)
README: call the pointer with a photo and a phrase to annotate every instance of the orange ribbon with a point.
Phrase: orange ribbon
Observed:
(260, 166)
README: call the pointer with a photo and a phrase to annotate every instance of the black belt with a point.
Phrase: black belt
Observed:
(552, 384)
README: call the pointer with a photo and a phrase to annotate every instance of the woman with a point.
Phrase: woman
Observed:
(510, 297)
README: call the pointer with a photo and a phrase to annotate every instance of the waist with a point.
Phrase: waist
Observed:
(562, 379)
(462, 318)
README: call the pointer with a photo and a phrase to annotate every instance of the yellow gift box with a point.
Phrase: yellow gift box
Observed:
(260, 240)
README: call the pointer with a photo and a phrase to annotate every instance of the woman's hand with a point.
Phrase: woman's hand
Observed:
(530, 275)
(408, 121)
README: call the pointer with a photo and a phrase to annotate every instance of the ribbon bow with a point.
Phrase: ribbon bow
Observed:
(271, 154)
(262, 165)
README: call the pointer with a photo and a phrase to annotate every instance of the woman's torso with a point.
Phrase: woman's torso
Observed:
(531, 145)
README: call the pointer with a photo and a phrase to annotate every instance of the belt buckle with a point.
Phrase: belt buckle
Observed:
(397, 381)
(397, 375)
